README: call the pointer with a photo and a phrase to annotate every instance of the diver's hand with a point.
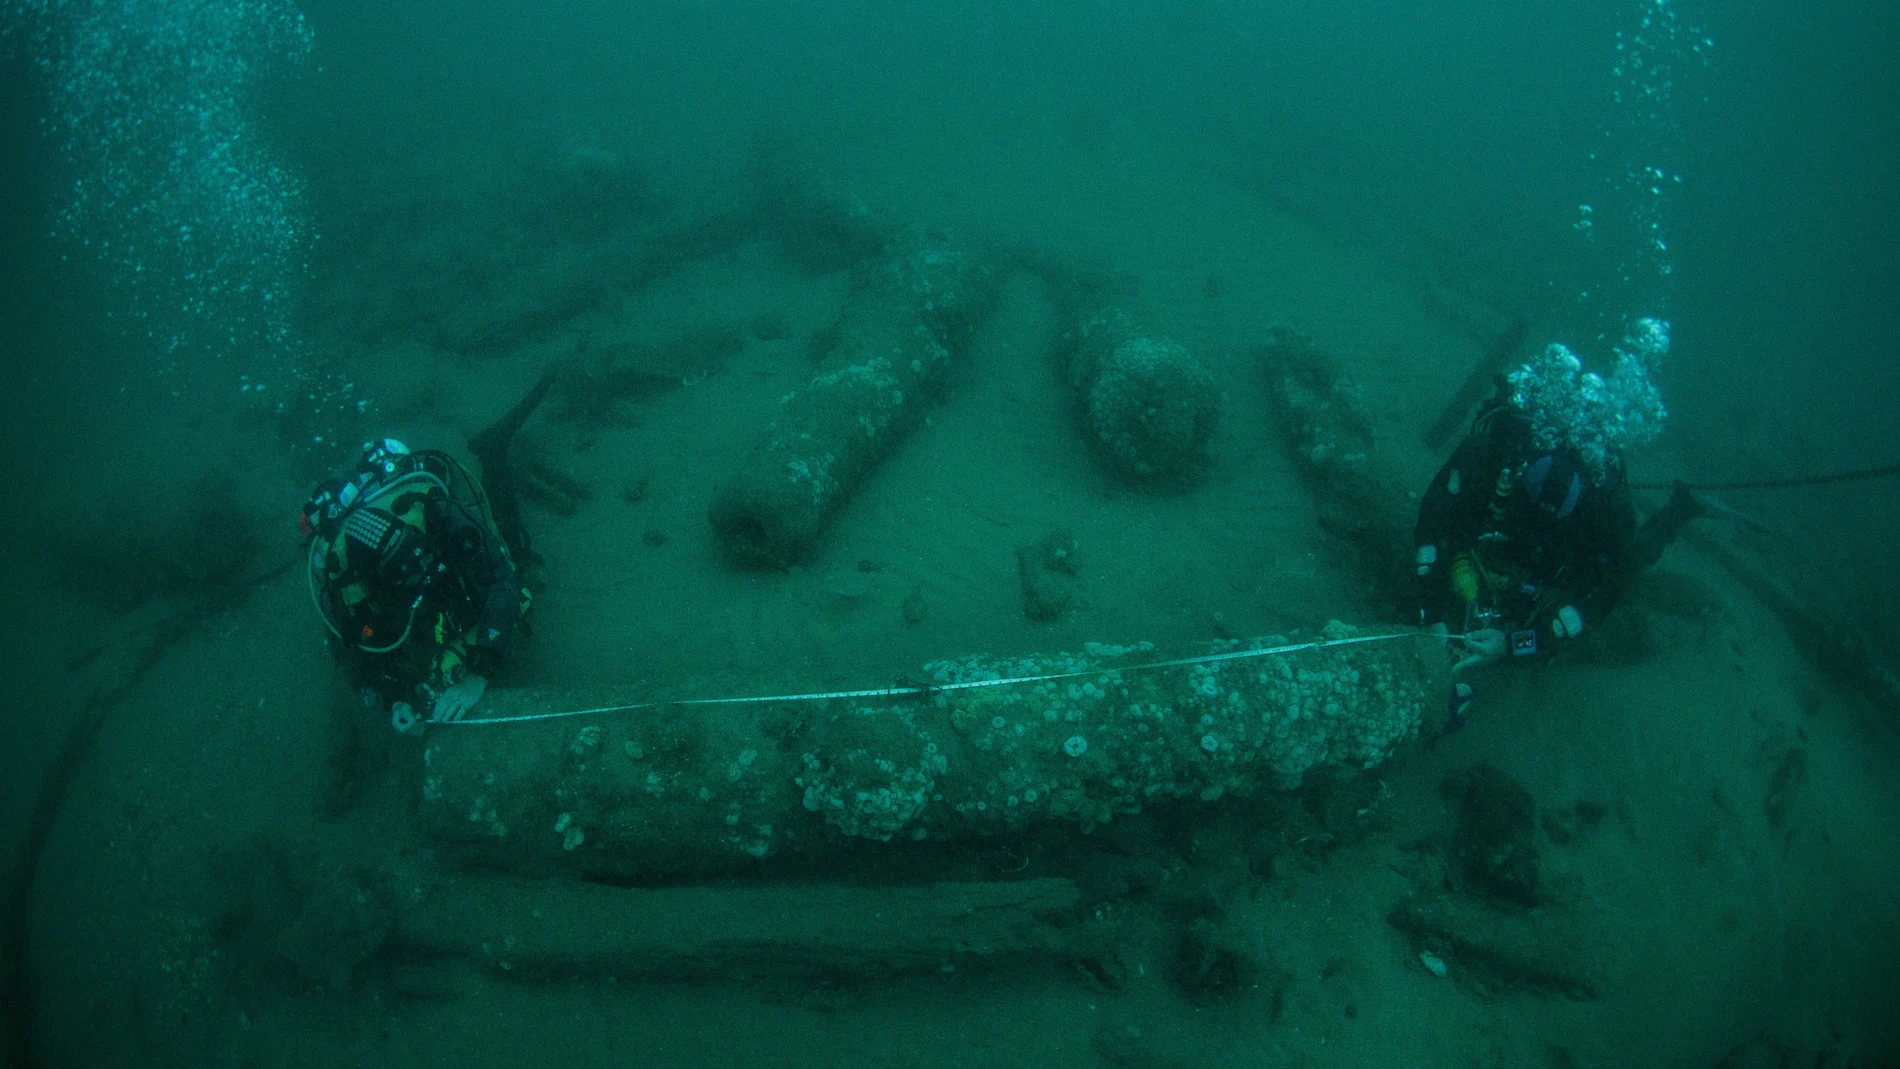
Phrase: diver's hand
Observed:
(455, 702)
(1483, 647)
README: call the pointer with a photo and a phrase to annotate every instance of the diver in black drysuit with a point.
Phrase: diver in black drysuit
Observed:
(1520, 551)
(417, 572)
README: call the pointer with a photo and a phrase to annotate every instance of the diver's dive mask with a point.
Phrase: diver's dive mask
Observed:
(1554, 482)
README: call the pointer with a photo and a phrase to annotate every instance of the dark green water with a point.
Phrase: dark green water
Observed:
(238, 239)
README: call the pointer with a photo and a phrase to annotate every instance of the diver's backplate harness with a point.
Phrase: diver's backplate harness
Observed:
(371, 567)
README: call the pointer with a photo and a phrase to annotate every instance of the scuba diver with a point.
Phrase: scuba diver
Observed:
(1527, 537)
(416, 570)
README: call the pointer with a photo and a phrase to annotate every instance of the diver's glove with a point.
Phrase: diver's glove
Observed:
(1483, 647)
(455, 702)
(1568, 623)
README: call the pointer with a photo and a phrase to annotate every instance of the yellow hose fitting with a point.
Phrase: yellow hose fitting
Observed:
(1464, 577)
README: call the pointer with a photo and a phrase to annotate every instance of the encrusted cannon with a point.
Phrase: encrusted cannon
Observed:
(1328, 433)
(1144, 400)
(909, 315)
(988, 747)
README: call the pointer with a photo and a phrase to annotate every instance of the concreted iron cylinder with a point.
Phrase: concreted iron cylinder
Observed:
(1146, 403)
(688, 790)
(1149, 402)
(887, 359)
(1327, 432)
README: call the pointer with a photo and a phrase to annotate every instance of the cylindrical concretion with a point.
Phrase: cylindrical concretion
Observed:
(1148, 403)
(908, 315)
(691, 789)
(1327, 432)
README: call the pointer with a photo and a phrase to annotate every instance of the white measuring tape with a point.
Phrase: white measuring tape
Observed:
(901, 692)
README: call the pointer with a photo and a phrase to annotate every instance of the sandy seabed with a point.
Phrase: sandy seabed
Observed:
(1729, 916)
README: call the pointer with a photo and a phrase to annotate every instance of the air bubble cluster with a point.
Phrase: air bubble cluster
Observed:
(1596, 416)
(169, 182)
(1657, 51)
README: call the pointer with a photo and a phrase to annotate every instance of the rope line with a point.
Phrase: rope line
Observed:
(1882, 471)
(973, 684)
